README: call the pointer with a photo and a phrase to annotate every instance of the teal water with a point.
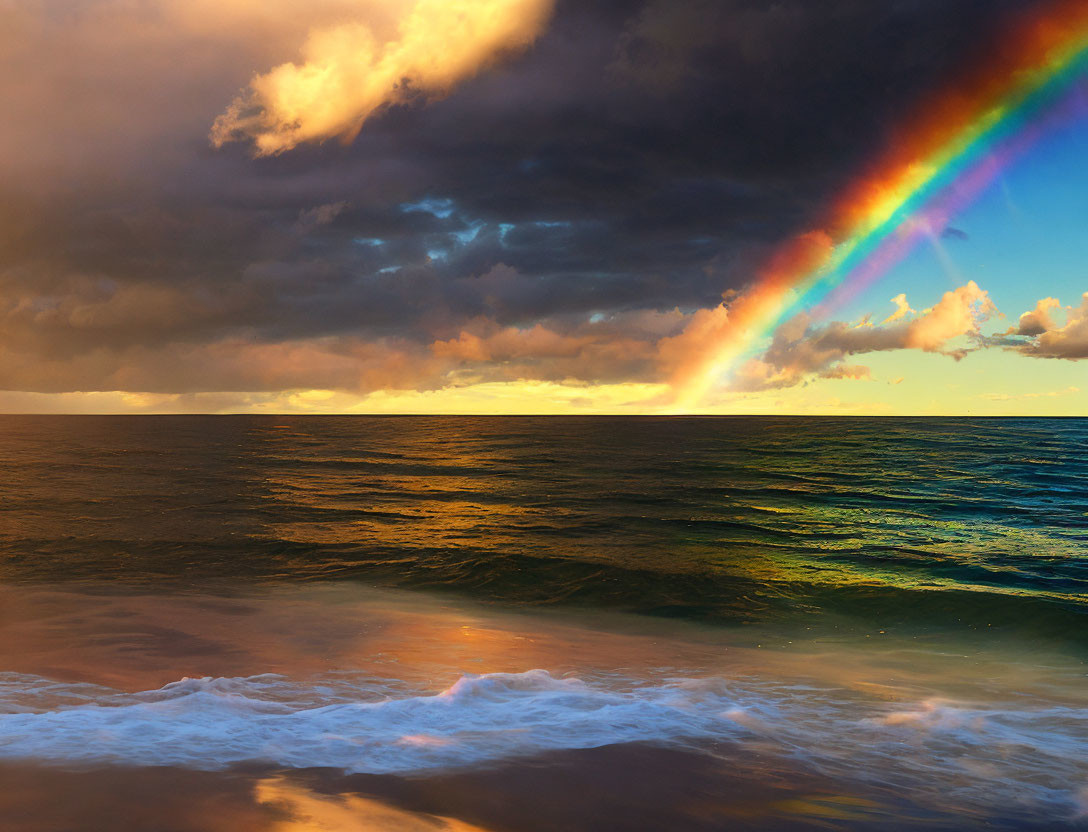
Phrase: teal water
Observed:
(868, 623)
(923, 522)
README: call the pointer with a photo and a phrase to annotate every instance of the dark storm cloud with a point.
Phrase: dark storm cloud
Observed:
(640, 157)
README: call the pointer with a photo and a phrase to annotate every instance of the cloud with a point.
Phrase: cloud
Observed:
(953, 233)
(229, 365)
(854, 371)
(620, 349)
(1015, 397)
(959, 312)
(802, 348)
(635, 165)
(691, 357)
(1048, 340)
(586, 354)
(902, 309)
(350, 71)
(1038, 320)
(311, 218)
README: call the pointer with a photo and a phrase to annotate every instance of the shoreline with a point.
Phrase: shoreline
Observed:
(625, 788)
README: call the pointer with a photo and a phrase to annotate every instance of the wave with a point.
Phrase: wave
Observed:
(213, 723)
(936, 751)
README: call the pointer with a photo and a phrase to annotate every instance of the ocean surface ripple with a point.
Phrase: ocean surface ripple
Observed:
(979, 523)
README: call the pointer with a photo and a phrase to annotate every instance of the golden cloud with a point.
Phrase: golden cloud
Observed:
(349, 70)
(801, 349)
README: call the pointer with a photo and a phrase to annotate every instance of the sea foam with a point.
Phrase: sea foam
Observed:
(213, 723)
(933, 749)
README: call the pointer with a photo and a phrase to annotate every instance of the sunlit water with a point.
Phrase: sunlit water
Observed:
(887, 613)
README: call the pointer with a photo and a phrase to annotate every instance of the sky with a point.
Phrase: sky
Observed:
(512, 206)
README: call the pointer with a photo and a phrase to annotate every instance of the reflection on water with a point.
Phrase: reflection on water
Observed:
(187, 642)
(310, 812)
(628, 789)
(940, 521)
(374, 682)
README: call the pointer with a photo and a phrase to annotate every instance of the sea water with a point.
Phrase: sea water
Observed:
(893, 609)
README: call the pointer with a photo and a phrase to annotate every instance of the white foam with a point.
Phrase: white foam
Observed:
(935, 750)
(213, 723)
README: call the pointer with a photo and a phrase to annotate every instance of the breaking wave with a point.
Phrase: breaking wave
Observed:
(937, 750)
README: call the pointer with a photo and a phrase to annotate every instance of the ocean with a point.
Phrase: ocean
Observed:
(520, 623)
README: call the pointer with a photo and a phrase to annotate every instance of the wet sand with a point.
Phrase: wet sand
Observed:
(623, 788)
(134, 641)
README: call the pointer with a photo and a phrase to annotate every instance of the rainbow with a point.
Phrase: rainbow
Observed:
(943, 159)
